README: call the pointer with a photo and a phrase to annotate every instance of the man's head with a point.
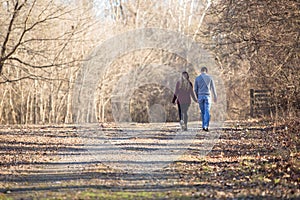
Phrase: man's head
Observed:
(204, 69)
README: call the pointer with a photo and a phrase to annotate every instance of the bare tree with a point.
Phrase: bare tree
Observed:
(42, 45)
(256, 44)
(34, 35)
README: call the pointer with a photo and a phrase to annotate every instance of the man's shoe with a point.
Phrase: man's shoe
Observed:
(205, 129)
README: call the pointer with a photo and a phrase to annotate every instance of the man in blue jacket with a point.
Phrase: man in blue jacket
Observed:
(204, 86)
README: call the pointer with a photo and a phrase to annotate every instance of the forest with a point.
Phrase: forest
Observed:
(65, 64)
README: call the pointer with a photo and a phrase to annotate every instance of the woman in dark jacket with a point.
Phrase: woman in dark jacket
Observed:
(183, 93)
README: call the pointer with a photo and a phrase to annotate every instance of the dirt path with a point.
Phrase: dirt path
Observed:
(137, 161)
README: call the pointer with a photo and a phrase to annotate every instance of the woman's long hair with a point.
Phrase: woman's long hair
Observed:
(185, 81)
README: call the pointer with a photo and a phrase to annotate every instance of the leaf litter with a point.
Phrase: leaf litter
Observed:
(249, 161)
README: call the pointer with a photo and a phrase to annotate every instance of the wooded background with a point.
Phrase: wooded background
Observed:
(45, 42)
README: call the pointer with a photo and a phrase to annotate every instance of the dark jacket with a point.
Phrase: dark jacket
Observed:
(184, 96)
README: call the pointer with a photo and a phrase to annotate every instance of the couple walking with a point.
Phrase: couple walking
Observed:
(184, 91)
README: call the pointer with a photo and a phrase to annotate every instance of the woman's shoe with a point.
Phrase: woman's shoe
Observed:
(181, 124)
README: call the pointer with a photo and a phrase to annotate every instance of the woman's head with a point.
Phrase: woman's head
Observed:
(185, 83)
(185, 75)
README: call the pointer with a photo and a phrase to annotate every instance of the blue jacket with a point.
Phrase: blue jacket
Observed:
(203, 85)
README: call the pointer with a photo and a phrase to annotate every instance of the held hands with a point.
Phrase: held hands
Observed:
(215, 100)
